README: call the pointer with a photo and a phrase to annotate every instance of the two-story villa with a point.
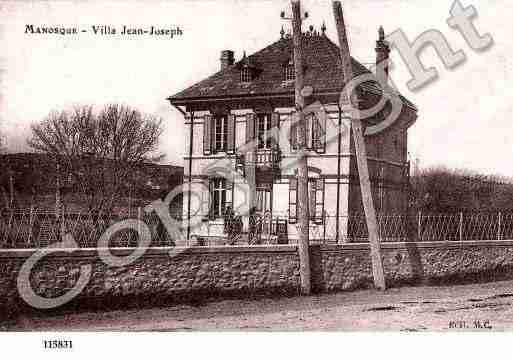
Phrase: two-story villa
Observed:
(247, 98)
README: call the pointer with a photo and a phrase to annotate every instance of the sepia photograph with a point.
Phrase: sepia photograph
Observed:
(255, 166)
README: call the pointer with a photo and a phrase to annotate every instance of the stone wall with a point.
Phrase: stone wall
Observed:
(160, 276)
(348, 266)
(164, 276)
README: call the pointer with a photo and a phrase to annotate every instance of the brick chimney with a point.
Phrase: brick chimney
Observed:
(382, 55)
(227, 58)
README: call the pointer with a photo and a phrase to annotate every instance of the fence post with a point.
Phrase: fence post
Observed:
(499, 229)
(378, 215)
(324, 222)
(138, 223)
(419, 232)
(9, 227)
(31, 225)
(63, 225)
(461, 226)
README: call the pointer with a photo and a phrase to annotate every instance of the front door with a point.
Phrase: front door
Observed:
(263, 200)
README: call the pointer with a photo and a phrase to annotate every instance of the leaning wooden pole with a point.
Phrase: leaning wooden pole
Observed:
(302, 165)
(361, 155)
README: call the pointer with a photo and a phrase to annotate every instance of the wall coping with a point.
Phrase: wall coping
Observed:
(150, 251)
(427, 245)
(280, 248)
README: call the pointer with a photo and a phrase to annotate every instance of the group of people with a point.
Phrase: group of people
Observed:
(233, 226)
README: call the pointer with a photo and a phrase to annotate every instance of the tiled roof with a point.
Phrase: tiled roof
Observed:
(323, 71)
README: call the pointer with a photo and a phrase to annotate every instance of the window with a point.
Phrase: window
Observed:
(220, 134)
(290, 72)
(318, 134)
(263, 200)
(218, 187)
(245, 74)
(263, 127)
(314, 136)
(315, 198)
(217, 198)
(259, 128)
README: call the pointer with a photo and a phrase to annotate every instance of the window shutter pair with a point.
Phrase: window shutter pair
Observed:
(208, 134)
(315, 198)
(315, 134)
(251, 126)
(294, 133)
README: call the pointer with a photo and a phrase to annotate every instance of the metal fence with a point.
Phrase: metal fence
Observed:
(419, 227)
(37, 229)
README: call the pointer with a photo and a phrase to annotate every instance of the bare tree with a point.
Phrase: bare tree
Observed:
(98, 153)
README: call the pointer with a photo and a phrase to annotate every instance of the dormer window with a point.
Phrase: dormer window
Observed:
(248, 69)
(290, 73)
(245, 74)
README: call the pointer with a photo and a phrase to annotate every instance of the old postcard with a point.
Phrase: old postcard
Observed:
(250, 165)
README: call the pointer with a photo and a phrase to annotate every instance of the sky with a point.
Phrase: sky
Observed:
(464, 119)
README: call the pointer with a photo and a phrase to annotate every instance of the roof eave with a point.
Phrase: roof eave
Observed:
(187, 100)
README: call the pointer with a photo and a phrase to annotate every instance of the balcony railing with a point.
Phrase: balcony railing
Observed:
(261, 158)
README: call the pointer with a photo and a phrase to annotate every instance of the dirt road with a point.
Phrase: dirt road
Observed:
(470, 307)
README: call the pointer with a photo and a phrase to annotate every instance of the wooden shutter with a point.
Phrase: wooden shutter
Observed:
(250, 127)
(207, 134)
(308, 131)
(275, 124)
(231, 134)
(316, 138)
(319, 200)
(206, 198)
(229, 194)
(293, 200)
(293, 134)
(319, 134)
(311, 198)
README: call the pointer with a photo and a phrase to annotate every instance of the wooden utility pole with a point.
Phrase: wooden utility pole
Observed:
(11, 189)
(302, 164)
(361, 155)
